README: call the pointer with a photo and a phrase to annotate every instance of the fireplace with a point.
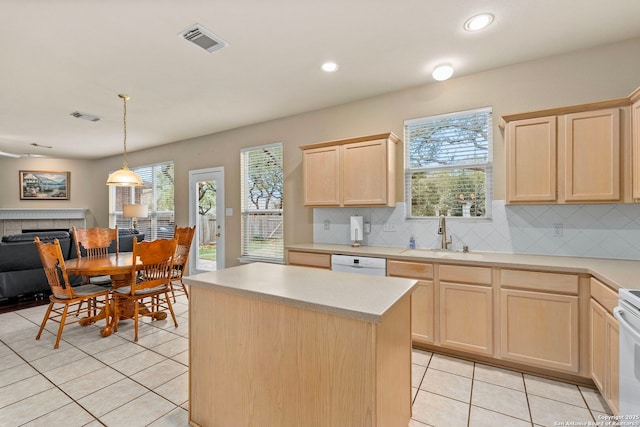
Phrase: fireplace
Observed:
(16, 221)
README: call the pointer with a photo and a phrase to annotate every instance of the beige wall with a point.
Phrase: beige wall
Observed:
(592, 75)
(81, 183)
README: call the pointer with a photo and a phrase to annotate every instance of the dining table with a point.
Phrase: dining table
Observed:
(119, 267)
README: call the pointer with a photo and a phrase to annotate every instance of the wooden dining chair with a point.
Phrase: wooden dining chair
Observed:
(95, 242)
(150, 284)
(184, 237)
(63, 295)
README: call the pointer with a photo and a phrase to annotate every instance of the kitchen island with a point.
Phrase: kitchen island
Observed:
(277, 345)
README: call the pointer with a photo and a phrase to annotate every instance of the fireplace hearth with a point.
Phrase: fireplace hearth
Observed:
(16, 221)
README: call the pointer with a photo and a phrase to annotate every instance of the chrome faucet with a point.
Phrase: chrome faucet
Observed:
(442, 230)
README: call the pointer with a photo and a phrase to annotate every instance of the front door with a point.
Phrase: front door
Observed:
(206, 211)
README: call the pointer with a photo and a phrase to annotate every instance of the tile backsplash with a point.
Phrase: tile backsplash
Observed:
(602, 231)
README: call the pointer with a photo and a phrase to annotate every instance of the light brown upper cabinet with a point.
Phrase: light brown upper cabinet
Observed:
(532, 160)
(350, 172)
(635, 136)
(321, 176)
(576, 154)
(592, 150)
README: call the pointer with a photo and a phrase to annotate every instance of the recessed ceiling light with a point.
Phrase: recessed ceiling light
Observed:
(329, 67)
(442, 72)
(478, 22)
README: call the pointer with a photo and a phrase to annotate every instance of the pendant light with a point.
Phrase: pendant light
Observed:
(125, 177)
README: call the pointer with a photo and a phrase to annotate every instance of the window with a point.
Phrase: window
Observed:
(261, 205)
(157, 194)
(448, 161)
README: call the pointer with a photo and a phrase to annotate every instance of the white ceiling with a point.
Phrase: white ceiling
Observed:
(59, 56)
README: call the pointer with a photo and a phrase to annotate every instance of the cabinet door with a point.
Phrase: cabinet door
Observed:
(613, 364)
(635, 135)
(422, 312)
(321, 176)
(592, 156)
(532, 160)
(466, 317)
(540, 329)
(598, 345)
(365, 174)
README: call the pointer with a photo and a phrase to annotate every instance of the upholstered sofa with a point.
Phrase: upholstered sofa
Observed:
(21, 272)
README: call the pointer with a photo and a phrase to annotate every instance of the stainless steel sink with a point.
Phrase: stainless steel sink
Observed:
(441, 253)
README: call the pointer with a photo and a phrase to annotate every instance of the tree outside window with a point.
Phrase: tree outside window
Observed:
(449, 164)
(262, 198)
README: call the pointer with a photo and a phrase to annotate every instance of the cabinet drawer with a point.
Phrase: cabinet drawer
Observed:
(310, 259)
(539, 281)
(465, 274)
(413, 270)
(606, 296)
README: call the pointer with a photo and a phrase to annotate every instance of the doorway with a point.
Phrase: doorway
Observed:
(206, 211)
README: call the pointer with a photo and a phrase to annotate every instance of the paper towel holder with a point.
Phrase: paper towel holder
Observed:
(357, 223)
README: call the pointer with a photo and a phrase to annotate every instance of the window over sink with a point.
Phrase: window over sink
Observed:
(449, 164)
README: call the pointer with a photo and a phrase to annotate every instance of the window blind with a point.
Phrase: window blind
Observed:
(449, 164)
(156, 193)
(261, 203)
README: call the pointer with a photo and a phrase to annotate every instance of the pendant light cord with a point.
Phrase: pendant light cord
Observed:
(124, 122)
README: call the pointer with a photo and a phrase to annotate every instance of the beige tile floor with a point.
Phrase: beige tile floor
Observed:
(95, 381)
(453, 392)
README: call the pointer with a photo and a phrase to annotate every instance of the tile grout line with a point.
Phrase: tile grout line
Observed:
(41, 373)
(584, 399)
(473, 379)
(526, 394)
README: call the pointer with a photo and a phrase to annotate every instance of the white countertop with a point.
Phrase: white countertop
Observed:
(615, 273)
(345, 294)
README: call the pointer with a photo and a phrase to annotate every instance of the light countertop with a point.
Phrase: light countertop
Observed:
(345, 294)
(615, 273)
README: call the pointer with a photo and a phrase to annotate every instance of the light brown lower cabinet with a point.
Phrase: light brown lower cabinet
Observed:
(422, 313)
(599, 354)
(605, 354)
(537, 319)
(540, 329)
(613, 350)
(604, 344)
(422, 298)
(466, 317)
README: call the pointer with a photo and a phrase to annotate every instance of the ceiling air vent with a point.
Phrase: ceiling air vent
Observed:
(85, 116)
(204, 38)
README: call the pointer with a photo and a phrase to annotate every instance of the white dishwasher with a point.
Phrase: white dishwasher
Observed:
(359, 264)
(628, 314)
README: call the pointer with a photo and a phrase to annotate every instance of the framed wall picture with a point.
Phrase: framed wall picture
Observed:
(44, 185)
